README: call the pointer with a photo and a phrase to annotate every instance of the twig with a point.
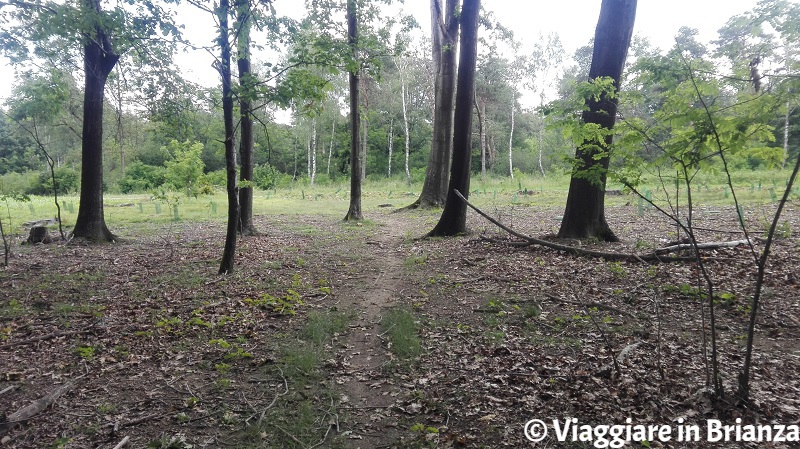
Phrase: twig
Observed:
(7, 389)
(122, 443)
(590, 305)
(292, 437)
(709, 245)
(44, 337)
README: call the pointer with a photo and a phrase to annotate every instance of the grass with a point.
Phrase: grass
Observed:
(401, 330)
(332, 199)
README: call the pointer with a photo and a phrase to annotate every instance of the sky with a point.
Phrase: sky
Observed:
(573, 20)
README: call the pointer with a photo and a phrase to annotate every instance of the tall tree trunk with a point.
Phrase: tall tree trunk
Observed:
(444, 25)
(786, 134)
(391, 147)
(354, 212)
(540, 139)
(313, 151)
(226, 266)
(511, 143)
(98, 61)
(120, 131)
(454, 216)
(365, 131)
(584, 216)
(481, 138)
(330, 148)
(246, 142)
(406, 129)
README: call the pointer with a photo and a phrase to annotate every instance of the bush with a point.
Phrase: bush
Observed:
(141, 177)
(217, 178)
(67, 181)
(185, 170)
(265, 177)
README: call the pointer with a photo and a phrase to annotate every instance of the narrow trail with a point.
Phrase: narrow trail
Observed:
(367, 392)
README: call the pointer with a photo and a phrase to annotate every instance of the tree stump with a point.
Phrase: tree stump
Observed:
(39, 234)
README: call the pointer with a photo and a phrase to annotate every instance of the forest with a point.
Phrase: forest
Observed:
(366, 234)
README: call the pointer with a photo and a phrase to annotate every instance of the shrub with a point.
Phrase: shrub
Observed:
(67, 181)
(141, 177)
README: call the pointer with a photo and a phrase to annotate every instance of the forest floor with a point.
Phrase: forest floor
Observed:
(341, 335)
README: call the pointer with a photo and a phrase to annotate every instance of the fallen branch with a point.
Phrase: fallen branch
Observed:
(44, 337)
(709, 245)
(591, 305)
(605, 370)
(123, 442)
(34, 408)
(570, 249)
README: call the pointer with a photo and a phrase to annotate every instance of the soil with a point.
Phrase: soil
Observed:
(165, 353)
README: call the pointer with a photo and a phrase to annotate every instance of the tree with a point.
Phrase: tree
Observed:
(585, 212)
(454, 216)
(247, 81)
(56, 30)
(354, 211)
(444, 24)
(224, 67)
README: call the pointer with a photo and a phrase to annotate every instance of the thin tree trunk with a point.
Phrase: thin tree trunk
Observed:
(229, 253)
(99, 59)
(540, 139)
(354, 212)
(246, 142)
(405, 128)
(313, 151)
(454, 216)
(365, 131)
(481, 138)
(391, 146)
(511, 145)
(120, 133)
(330, 148)
(786, 134)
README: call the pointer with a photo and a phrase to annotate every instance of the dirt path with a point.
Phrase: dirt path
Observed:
(367, 393)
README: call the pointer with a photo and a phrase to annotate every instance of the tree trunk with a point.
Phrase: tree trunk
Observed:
(584, 216)
(405, 129)
(365, 122)
(454, 216)
(246, 142)
(98, 61)
(481, 138)
(330, 148)
(540, 138)
(313, 151)
(786, 134)
(445, 34)
(510, 144)
(391, 147)
(354, 212)
(120, 130)
(226, 266)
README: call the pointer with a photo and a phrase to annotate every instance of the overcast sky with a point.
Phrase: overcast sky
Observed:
(573, 20)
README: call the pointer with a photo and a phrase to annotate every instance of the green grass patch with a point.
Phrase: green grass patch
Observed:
(402, 332)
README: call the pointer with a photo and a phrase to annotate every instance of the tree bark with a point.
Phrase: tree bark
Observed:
(454, 216)
(354, 212)
(445, 38)
(229, 253)
(511, 143)
(313, 151)
(246, 139)
(330, 148)
(481, 137)
(584, 216)
(98, 61)
(405, 128)
(391, 147)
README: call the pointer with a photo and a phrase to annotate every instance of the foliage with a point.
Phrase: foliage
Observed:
(140, 177)
(67, 181)
(184, 170)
